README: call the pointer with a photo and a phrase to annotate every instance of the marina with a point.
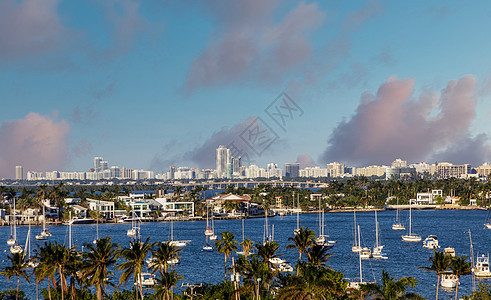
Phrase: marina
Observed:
(451, 226)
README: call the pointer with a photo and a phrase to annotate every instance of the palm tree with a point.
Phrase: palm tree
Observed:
(46, 267)
(135, 258)
(440, 262)
(17, 268)
(60, 258)
(246, 247)
(99, 258)
(226, 245)
(267, 251)
(391, 288)
(166, 283)
(253, 271)
(302, 241)
(161, 256)
(460, 266)
(319, 256)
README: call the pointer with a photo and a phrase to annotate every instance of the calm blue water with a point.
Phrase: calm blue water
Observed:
(404, 258)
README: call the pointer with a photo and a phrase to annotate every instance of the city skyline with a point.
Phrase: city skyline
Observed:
(153, 84)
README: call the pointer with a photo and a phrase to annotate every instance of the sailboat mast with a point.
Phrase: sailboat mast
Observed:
(298, 213)
(410, 217)
(44, 218)
(376, 229)
(354, 217)
(359, 255)
(15, 221)
(70, 232)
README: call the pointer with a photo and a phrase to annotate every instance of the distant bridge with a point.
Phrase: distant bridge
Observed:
(252, 184)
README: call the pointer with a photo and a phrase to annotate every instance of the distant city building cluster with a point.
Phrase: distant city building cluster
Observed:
(229, 167)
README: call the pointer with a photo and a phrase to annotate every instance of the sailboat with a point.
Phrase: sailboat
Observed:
(242, 253)
(31, 263)
(322, 240)
(45, 233)
(297, 230)
(96, 229)
(411, 237)
(12, 242)
(377, 250)
(12, 239)
(133, 231)
(356, 246)
(397, 224)
(356, 285)
(172, 241)
(488, 219)
(208, 232)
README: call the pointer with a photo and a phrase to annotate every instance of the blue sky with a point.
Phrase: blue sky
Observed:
(148, 84)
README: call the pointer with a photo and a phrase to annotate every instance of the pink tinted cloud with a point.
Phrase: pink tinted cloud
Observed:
(36, 142)
(393, 124)
(305, 160)
(250, 44)
(30, 27)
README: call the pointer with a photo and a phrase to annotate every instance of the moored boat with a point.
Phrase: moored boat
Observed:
(449, 280)
(431, 242)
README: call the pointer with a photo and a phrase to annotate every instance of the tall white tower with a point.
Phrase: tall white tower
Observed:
(19, 172)
(223, 158)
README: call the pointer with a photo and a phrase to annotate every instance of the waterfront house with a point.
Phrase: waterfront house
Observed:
(105, 208)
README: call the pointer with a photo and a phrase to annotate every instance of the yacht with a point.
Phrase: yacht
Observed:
(449, 251)
(146, 280)
(365, 253)
(411, 237)
(431, 242)
(172, 241)
(449, 280)
(481, 269)
(207, 248)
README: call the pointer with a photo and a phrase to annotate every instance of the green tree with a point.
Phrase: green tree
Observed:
(391, 288)
(302, 240)
(460, 266)
(247, 245)
(135, 258)
(318, 256)
(46, 268)
(226, 245)
(18, 267)
(97, 261)
(165, 283)
(440, 262)
(161, 256)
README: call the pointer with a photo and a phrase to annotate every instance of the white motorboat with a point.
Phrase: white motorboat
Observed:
(77, 221)
(397, 224)
(431, 242)
(207, 248)
(449, 280)
(277, 261)
(449, 251)
(284, 267)
(411, 237)
(146, 280)
(365, 253)
(481, 269)
(173, 261)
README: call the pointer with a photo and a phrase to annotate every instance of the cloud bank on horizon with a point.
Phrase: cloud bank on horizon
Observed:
(36, 142)
(393, 124)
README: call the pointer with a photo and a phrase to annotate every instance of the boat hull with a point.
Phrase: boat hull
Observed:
(411, 238)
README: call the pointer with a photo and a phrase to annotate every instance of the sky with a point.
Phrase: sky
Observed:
(149, 84)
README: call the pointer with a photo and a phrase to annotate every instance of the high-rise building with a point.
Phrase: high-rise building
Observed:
(236, 164)
(19, 172)
(172, 172)
(335, 169)
(223, 158)
(292, 169)
(98, 164)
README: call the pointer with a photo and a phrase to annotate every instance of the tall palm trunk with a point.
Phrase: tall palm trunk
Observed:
(437, 286)
(457, 288)
(49, 289)
(17, 291)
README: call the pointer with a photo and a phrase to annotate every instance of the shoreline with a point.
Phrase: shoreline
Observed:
(335, 210)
